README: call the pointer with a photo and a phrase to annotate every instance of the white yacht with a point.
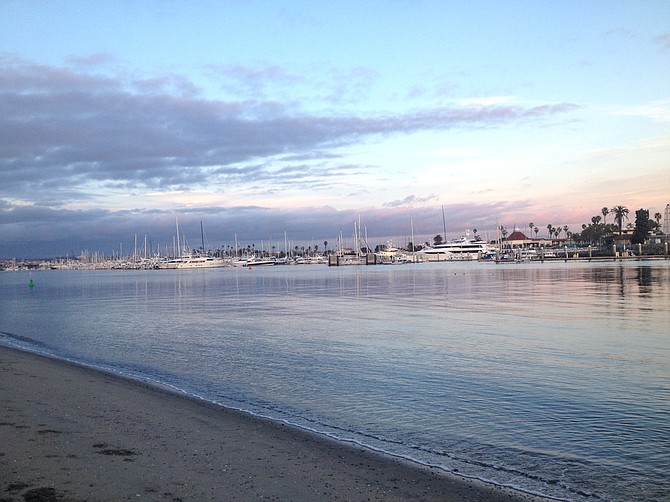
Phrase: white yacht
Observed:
(391, 255)
(194, 261)
(463, 248)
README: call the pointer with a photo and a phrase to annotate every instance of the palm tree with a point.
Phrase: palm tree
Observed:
(605, 212)
(550, 229)
(531, 225)
(537, 229)
(620, 212)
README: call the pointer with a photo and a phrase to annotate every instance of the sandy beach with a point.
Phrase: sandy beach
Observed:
(72, 433)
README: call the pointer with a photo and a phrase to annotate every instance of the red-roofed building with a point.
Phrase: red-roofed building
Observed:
(519, 239)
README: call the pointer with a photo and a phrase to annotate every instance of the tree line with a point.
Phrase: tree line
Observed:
(599, 231)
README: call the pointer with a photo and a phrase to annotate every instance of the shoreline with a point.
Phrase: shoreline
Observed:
(31, 264)
(76, 433)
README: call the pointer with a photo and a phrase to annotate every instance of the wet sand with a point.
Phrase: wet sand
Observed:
(72, 433)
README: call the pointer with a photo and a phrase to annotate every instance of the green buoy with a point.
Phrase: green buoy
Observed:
(31, 284)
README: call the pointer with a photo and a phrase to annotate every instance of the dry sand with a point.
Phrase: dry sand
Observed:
(71, 433)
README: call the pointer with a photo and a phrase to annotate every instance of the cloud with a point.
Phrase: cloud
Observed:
(487, 101)
(72, 139)
(34, 231)
(168, 84)
(252, 79)
(410, 200)
(63, 126)
(658, 111)
(92, 60)
(663, 41)
(348, 85)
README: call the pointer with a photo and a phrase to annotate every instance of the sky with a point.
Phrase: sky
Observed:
(266, 119)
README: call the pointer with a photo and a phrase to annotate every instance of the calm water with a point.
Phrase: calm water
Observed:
(552, 378)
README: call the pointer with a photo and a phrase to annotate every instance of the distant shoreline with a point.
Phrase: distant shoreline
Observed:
(7, 265)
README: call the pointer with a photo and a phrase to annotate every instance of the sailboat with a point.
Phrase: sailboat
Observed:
(189, 259)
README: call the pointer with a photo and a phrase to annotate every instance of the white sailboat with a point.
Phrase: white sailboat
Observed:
(187, 259)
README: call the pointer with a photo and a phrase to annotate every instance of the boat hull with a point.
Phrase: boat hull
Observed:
(199, 262)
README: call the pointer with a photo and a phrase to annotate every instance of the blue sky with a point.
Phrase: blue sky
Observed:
(260, 118)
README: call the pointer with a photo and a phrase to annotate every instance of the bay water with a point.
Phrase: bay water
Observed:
(552, 378)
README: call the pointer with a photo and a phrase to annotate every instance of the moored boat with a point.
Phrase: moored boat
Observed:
(463, 248)
(391, 255)
(192, 261)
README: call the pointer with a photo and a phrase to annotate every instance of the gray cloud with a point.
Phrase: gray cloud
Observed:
(91, 60)
(252, 80)
(410, 200)
(39, 232)
(65, 130)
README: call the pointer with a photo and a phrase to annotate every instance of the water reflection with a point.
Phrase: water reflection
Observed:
(643, 286)
(645, 279)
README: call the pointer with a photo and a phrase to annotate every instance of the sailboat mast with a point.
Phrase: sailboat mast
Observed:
(444, 225)
(202, 238)
(178, 242)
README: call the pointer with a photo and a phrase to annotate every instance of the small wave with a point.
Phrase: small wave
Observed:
(19, 341)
